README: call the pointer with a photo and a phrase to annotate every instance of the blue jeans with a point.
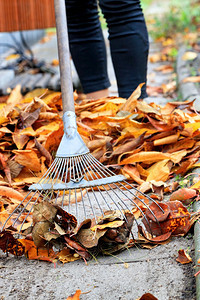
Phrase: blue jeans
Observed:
(128, 38)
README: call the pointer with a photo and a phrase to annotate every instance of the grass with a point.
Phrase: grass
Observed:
(182, 16)
(145, 3)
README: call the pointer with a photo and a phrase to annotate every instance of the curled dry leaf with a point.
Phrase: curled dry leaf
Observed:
(11, 245)
(183, 257)
(185, 195)
(148, 296)
(175, 218)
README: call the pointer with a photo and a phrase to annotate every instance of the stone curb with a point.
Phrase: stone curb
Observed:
(189, 91)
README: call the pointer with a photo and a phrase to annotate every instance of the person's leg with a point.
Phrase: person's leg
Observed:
(128, 42)
(87, 46)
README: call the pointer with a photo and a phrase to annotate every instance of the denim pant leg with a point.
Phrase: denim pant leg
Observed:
(87, 44)
(128, 42)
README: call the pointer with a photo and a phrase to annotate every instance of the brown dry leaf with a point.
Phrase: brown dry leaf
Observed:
(44, 211)
(89, 238)
(183, 257)
(75, 196)
(175, 219)
(3, 160)
(28, 158)
(148, 296)
(15, 96)
(185, 195)
(146, 108)
(53, 139)
(75, 296)
(11, 245)
(11, 193)
(94, 144)
(156, 57)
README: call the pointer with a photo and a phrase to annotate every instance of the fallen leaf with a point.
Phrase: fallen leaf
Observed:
(66, 256)
(10, 245)
(32, 252)
(183, 257)
(189, 55)
(145, 157)
(28, 158)
(75, 296)
(148, 296)
(185, 195)
(192, 79)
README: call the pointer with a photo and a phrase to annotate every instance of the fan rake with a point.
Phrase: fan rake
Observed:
(76, 180)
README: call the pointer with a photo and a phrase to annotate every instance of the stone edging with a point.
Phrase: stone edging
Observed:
(188, 90)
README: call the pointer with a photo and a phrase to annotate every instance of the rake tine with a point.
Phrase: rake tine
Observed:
(15, 210)
(83, 203)
(146, 196)
(139, 208)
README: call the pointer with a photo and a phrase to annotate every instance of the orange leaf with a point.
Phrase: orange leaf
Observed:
(166, 140)
(175, 219)
(184, 195)
(32, 252)
(132, 173)
(145, 157)
(75, 296)
(10, 193)
(130, 104)
(192, 79)
(28, 158)
(53, 140)
(183, 257)
(159, 171)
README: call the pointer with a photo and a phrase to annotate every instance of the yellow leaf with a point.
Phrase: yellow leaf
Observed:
(176, 157)
(131, 102)
(159, 171)
(113, 224)
(12, 56)
(145, 157)
(189, 55)
(132, 172)
(65, 256)
(194, 126)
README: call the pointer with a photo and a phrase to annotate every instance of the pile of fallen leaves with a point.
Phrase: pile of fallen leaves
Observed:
(147, 143)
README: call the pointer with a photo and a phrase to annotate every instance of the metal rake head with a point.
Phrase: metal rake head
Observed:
(85, 188)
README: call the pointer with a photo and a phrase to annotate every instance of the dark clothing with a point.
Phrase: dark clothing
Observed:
(128, 43)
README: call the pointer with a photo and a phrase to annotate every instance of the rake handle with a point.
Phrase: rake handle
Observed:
(64, 56)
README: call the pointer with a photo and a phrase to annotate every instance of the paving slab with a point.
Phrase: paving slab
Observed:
(126, 276)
